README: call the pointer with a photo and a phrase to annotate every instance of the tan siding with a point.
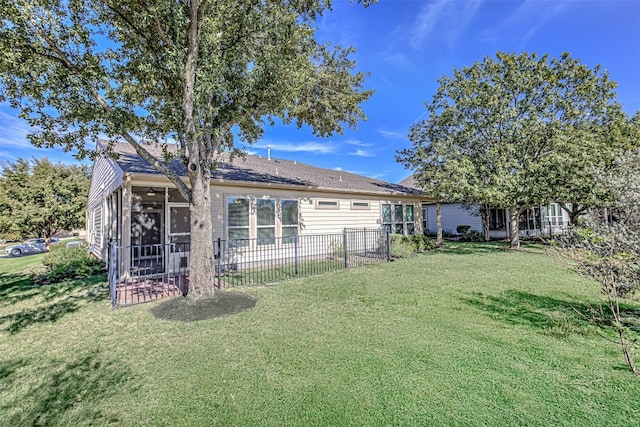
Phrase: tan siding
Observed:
(311, 219)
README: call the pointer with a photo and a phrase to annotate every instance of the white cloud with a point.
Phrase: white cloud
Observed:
(358, 143)
(525, 21)
(306, 147)
(443, 19)
(362, 153)
(390, 134)
(14, 132)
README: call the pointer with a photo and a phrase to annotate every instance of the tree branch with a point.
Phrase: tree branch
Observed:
(160, 167)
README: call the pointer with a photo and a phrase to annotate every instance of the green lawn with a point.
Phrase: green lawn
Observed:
(469, 334)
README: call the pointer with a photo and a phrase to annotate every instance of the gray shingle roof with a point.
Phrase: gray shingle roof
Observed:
(409, 182)
(260, 170)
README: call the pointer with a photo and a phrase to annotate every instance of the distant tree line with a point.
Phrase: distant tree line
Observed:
(39, 198)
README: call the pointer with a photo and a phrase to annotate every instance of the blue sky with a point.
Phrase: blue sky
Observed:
(406, 45)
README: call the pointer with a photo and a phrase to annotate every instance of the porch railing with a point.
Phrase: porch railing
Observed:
(145, 273)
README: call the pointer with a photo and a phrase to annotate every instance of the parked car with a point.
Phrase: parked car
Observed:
(31, 246)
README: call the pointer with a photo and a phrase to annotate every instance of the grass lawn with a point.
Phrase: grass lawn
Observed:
(469, 334)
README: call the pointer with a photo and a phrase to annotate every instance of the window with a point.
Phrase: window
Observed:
(398, 218)
(553, 214)
(497, 219)
(266, 221)
(238, 221)
(327, 204)
(529, 219)
(358, 205)
(387, 222)
(289, 221)
(408, 219)
(259, 221)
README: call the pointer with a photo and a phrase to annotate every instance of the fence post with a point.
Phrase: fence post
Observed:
(388, 246)
(296, 253)
(365, 241)
(344, 245)
(112, 273)
(219, 266)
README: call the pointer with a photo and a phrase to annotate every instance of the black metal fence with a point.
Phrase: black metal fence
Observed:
(145, 273)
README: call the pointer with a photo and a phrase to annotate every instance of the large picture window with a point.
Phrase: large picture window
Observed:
(261, 221)
(289, 221)
(398, 218)
(266, 221)
(238, 221)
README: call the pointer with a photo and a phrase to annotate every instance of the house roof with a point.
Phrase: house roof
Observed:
(409, 182)
(261, 170)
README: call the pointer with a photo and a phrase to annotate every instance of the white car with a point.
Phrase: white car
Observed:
(31, 246)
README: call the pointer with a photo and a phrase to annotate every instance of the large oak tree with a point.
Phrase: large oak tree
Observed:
(517, 131)
(202, 73)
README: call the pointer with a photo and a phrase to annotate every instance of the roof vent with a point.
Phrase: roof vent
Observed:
(340, 178)
(277, 171)
(268, 152)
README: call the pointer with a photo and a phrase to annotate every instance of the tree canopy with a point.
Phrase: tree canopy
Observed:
(40, 198)
(201, 74)
(516, 131)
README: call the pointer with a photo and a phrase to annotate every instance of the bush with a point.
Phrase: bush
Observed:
(469, 235)
(463, 229)
(423, 243)
(70, 263)
(472, 236)
(404, 246)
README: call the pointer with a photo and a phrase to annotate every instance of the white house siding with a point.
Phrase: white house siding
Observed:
(106, 177)
(452, 215)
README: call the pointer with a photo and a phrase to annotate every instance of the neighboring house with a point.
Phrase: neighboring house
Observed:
(261, 199)
(535, 221)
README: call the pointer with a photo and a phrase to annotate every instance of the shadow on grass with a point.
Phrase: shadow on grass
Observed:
(551, 315)
(471, 248)
(15, 287)
(63, 393)
(49, 302)
(479, 248)
(223, 303)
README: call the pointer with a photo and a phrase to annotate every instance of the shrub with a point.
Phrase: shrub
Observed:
(70, 263)
(463, 229)
(472, 236)
(423, 243)
(468, 235)
(404, 246)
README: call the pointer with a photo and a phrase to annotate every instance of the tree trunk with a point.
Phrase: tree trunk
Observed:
(484, 214)
(438, 225)
(201, 262)
(514, 235)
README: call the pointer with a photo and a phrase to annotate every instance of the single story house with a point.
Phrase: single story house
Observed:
(539, 220)
(255, 201)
